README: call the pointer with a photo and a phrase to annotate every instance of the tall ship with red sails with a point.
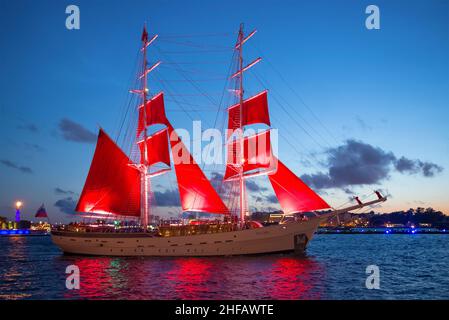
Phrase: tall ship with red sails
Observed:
(120, 187)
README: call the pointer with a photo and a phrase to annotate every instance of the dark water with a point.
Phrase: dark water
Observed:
(411, 267)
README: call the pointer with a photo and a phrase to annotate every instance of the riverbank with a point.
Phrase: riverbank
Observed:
(382, 230)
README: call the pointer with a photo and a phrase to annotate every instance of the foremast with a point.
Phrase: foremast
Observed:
(119, 186)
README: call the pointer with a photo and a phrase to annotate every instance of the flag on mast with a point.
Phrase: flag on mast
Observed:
(144, 34)
(41, 212)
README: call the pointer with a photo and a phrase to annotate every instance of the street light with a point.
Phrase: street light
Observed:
(18, 205)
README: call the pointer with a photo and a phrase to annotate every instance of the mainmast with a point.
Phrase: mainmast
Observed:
(145, 209)
(241, 135)
(144, 165)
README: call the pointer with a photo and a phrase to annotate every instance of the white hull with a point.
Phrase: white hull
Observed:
(292, 237)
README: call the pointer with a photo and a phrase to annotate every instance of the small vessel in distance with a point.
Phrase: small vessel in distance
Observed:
(120, 187)
(22, 227)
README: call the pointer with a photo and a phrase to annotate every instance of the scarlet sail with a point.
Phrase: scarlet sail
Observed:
(41, 212)
(293, 194)
(112, 185)
(256, 154)
(195, 190)
(154, 112)
(255, 110)
(157, 148)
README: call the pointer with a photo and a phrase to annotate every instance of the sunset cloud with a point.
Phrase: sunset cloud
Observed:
(358, 163)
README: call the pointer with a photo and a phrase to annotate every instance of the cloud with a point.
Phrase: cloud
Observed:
(224, 188)
(63, 192)
(13, 165)
(66, 205)
(430, 169)
(28, 127)
(271, 199)
(253, 186)
(73, 131)
(427, 169)
(34, 146)
(405, 165)
(265, 199)
(358, 163)
(167, 198)
(216, 180)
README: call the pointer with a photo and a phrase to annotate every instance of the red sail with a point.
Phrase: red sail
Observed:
(196, 191)
(257, 154)
(155, 112)
(157, 148)
(41, 212)
(112, 185)
(255, 110)
(293, 194)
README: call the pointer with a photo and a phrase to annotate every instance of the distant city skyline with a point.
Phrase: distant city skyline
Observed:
(356, 109)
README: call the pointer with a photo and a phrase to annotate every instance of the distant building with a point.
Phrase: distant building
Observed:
(347, 219)
(11, 225)
(3, 223)
(267, 217)
(24, 224)
(425, 225)
(155, 219)
(393, 225)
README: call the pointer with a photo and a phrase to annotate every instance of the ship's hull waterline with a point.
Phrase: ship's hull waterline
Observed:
(289, 237)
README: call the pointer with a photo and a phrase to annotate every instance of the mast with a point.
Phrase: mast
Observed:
(144, 166)
(145, 183)
(241, 136)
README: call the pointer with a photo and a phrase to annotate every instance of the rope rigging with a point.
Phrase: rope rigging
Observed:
(127, 127)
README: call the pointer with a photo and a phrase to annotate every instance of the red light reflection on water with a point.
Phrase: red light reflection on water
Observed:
(264, 277)
(294, 278)
(94, 278)
(189, 277)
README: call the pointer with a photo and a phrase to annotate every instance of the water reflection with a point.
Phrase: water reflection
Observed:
(296, 279)
(262, 277)
(13, 274)
(33, 268)
(190, 278)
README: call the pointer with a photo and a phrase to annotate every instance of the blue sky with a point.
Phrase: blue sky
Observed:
(387, 89)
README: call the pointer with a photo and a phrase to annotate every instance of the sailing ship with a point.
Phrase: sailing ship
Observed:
(121, 187)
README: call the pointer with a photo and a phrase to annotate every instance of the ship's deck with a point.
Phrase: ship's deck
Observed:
(80, 230)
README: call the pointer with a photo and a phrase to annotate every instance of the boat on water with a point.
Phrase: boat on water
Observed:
(22, 228)
(118, 186)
